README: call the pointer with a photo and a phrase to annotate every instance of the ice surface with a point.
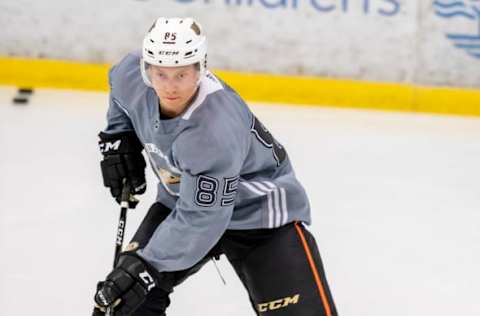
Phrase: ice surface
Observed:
(395, 199)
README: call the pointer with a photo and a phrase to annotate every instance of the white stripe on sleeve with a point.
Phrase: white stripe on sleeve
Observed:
(276, 193)
(252, 188)
(271, 210)
(284, 205)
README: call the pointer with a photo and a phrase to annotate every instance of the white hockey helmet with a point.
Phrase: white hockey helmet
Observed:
(173, 42)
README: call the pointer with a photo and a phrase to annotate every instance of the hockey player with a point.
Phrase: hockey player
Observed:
(226, 185)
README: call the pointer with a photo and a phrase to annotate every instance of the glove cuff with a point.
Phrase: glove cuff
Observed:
(163, 280)
(138, 268)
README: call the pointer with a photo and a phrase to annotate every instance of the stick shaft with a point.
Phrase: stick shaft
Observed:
(122, 222)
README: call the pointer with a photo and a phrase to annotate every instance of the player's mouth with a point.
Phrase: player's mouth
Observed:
(172, 98)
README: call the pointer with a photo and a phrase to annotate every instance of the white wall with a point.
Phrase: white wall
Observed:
(380, 40)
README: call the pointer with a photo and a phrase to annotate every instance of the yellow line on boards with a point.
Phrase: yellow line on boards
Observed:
(43, 73)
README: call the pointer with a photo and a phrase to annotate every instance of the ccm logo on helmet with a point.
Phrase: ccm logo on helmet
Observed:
(168, 53)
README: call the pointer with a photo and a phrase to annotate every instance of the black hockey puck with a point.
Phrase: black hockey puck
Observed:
(20, 100)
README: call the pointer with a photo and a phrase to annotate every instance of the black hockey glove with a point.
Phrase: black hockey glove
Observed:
(126, 287)
(122, 158)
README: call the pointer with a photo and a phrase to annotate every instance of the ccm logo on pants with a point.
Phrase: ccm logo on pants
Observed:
(280, 303)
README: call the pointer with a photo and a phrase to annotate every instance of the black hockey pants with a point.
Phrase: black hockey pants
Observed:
(280, 268)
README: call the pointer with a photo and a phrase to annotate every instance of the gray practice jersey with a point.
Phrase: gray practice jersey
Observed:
(218, 167)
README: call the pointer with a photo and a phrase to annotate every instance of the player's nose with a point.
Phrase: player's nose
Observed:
(170, 88)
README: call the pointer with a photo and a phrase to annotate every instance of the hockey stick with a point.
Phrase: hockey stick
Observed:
(122, 221)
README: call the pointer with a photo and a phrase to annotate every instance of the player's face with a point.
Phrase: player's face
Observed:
(175, 86)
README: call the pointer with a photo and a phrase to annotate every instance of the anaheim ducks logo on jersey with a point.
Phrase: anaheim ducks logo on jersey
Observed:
(163, 168)
(167, 177)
